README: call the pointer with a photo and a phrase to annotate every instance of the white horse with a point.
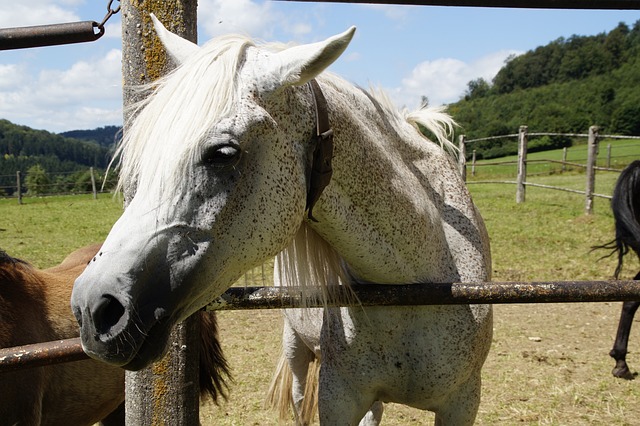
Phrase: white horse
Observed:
(229, 172)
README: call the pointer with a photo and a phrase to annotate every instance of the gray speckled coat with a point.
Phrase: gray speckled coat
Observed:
(219, 158)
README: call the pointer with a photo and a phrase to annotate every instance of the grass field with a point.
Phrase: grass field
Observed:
(549, 363)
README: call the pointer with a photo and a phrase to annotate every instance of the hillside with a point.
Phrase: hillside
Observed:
(565, 87)
(105, 136)
(22, 148)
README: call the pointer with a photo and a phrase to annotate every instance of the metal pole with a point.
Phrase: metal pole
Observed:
(49, 35)
(41, 354)
(167, 392)
(433, 294)
(236, 298)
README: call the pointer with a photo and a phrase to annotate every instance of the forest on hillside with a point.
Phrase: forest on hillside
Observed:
(23, 148)
(105, 136)
(564, 87)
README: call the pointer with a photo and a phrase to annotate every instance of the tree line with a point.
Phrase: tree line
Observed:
(564, 87)
(64, 160)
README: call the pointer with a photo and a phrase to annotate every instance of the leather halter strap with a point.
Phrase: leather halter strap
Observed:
(321, 170)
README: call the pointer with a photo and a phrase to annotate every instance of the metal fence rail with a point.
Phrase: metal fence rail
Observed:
(235, 298)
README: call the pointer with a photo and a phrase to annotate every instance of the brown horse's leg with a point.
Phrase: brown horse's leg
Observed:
(619, 351)
(116, 418)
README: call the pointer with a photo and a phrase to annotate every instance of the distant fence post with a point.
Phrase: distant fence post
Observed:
(166, 393)
(473, 163)
(592, 155)
(522, 164)
(19, 186)
(462, 157)
(93, 184)
(564, 159)
(608, 156)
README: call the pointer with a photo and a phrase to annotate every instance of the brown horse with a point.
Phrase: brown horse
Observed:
(34, 307)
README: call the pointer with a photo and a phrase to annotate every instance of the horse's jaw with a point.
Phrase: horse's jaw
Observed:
(137, 288)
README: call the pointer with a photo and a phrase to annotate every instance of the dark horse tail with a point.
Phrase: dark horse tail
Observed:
(214, 369)
(625, 204)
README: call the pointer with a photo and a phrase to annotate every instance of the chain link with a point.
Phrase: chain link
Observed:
(110, 12)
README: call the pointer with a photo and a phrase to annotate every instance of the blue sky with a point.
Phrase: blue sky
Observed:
(410, 51)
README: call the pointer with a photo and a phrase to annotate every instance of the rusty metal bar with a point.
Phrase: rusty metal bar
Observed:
(529, 4)
(436, 294)
(41, 354)
(49, 35)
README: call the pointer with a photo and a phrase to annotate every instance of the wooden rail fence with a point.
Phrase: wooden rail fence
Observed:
(521, 182)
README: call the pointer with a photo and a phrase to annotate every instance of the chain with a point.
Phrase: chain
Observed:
(110, 12)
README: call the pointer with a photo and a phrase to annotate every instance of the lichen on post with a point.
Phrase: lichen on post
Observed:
(167, 392)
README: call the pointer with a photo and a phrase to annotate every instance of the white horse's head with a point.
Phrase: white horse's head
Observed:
(219, 155)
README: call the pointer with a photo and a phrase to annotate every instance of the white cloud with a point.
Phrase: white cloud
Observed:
(86, 95)
(236, 16)
(445, 80)
(260, 20)
(12, 75)
(35, 12)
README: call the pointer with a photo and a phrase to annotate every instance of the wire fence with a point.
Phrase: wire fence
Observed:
(37, 182)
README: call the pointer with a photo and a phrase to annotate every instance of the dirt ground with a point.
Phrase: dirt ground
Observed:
(549, 365)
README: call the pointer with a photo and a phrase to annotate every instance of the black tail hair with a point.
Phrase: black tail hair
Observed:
(625, 205)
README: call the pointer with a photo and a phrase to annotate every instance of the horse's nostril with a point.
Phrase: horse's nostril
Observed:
(107, 314)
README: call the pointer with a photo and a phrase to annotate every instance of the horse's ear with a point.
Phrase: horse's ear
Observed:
(297, 65)
(177, 47)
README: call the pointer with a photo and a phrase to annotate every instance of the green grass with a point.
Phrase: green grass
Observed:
(560, 378)
(43, 230)
(551, 223)
(546, 238)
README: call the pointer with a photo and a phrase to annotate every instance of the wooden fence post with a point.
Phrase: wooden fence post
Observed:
(462, 157)
(19, 186)
(608, 156)
(592, 155)
(473, 163)
(522, 164)
(93, 184)
(564, 159)
(165, 393)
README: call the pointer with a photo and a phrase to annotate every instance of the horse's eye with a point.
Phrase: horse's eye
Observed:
(223, 155)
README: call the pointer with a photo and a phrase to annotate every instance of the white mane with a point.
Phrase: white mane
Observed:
(172, 122)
